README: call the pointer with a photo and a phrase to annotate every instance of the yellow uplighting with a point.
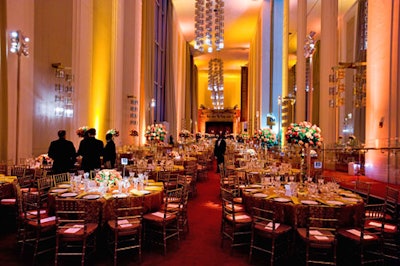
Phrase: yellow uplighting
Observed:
(99, 91)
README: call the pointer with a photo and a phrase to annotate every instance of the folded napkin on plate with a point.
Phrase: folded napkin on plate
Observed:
(295, 200)
(107, 196)
(81, 195)
(272, 196)
(160, 184)
(179, 167)
(348, 200)
(138, 192)
(323, 201)
(154, 188)
(86, 193)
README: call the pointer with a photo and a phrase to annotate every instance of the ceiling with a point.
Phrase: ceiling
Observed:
(240, 24)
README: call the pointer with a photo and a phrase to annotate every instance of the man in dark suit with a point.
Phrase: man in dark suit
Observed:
(219, 150)
(91, 149)
(63, 153)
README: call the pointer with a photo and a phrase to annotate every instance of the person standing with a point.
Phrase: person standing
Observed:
(219, 150)
(91, 149)
(110, 154)
(63, 153)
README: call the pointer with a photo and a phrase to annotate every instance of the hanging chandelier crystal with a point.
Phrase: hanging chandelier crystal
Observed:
(216, 82)
(209, 23)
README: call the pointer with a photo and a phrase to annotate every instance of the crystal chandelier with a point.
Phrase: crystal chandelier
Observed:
(216, 82)
(209, 23)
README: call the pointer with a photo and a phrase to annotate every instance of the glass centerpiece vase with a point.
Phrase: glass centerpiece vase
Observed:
(307, 137)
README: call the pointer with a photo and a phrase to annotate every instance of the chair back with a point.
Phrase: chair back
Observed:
(31, 208)
(127, 210)
(26, 180)
(74, 214)
(229, 193)
(265, 219)
(323, 223)
(4, 168)
(44, 184)
(173, 197)
(372, 222)
(18, 170)
(39, 173)
(61, 178)
(363, 189)
(391, 203)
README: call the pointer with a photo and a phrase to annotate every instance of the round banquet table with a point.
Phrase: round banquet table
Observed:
(296, 214)
(7, 186)
(152, 202)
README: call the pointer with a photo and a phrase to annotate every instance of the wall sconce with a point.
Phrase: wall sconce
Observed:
(19, 46)
(63, 99)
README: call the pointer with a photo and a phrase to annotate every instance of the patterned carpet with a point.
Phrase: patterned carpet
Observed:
(201, 246)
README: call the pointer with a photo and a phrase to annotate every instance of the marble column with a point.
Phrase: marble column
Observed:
(301, 61)
(382, 105)
(328, 59)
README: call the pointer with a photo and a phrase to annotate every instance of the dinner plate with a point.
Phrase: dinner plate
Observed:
(334, 202)
(120, 195)
(309, 202)
(260, 195)
(255, 186)
(281, 199)
(251, 189)
(91, 196)
(348, 195)
(350, 199)
(69, 195)
(59, 190)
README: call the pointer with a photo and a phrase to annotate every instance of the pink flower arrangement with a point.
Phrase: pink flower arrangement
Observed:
(304, 133)
(266, 136)
(155, 132)
(113, 132)
(110, 176)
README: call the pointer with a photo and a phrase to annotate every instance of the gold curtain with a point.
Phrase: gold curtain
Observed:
(188, 93)
(170, 95)
(147, 65)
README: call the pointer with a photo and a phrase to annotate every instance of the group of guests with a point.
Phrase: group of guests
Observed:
(64, 154)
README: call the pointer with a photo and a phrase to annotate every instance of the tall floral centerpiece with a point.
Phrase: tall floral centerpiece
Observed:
(185, 136)
(81, 131)
(155, 133)
(113, 132)
(266, 137)
(307, 136)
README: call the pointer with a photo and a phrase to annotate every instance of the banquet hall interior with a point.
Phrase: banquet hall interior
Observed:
(304, 94)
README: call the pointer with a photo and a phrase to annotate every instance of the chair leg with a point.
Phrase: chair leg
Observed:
(272, 251)
(115, 249)
(56, 252)
(165, 240)
(140, 247)
(83, 252)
